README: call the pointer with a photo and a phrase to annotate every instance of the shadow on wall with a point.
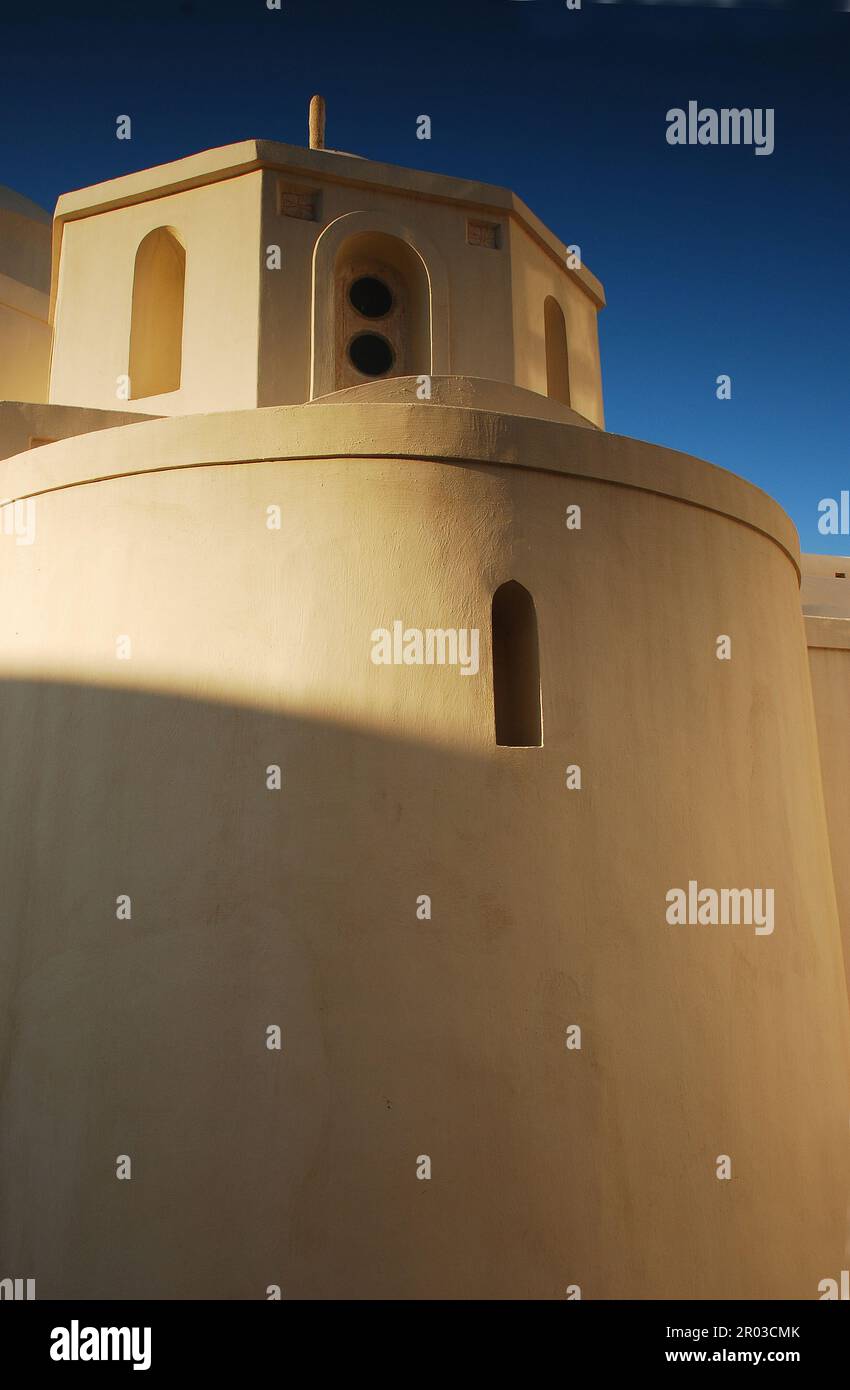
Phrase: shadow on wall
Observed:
(252, 908)
(401, 1035)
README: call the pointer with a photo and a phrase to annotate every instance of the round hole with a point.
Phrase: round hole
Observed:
(371, 354)
(371, 297)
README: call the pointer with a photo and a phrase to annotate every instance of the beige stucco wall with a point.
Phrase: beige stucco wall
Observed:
(256, 334)
(402, 1037)
(535, 275)
(219, 224)
(23, 424)
(24, 344)
(829, 660)
(24, 298)
(825, 596)
(825, 586)
(495, 296)
(475, 322)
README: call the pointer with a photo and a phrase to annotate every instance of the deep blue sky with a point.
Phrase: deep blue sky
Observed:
(713, 259)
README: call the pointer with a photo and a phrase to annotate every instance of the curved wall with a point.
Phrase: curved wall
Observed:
(829, 662)
(298, 908)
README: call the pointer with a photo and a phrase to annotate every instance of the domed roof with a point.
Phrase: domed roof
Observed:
(10, 201)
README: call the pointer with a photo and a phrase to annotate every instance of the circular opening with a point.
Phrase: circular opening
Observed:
(371, 297)
(371, 354)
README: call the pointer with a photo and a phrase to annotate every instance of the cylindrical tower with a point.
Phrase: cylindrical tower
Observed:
(427, 915)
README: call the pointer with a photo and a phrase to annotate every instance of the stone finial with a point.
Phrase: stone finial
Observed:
(317, 123)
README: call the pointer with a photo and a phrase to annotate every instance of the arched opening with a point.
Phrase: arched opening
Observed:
(516, 669)
(382, 310)
(557, 357)
(156, 331)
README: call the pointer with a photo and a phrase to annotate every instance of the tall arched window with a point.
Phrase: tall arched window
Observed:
(557, 357)
(156, 331)
(516, 668)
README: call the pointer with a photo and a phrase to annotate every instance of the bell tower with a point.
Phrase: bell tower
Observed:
(265, 274)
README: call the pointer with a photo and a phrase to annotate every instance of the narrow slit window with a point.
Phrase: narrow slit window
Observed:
(516, 669)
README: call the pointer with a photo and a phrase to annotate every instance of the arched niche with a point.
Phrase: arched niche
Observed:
(156, 330)
(557, 354)
(410, 338)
